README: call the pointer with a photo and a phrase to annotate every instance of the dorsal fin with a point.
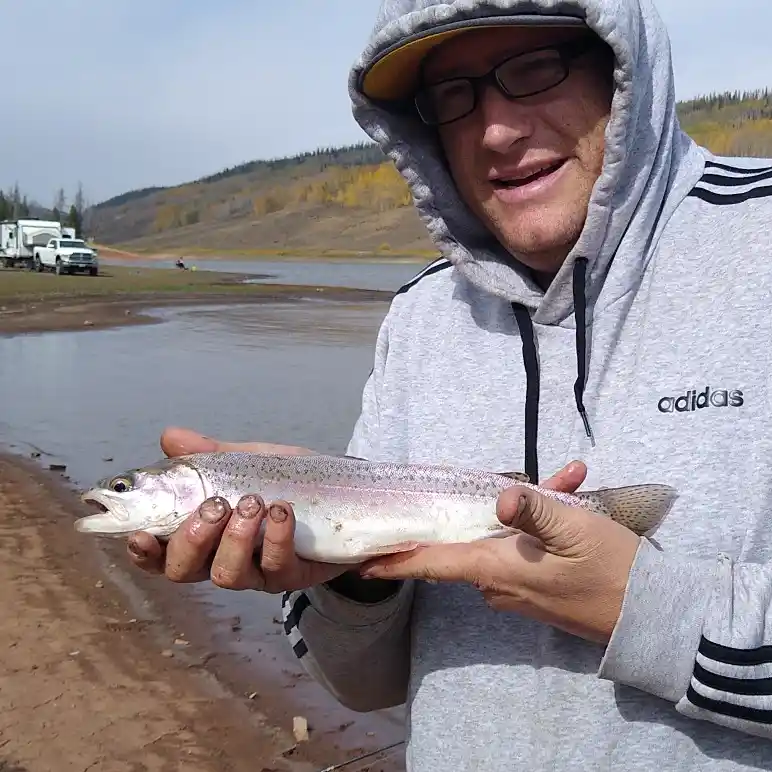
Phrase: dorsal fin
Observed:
(519, 476)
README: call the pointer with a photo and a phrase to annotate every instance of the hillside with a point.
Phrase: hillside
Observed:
(347, 199)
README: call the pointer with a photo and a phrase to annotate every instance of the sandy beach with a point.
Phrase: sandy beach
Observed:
(97, 674)
(84, 685)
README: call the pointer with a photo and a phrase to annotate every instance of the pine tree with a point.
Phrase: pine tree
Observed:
(75, 220)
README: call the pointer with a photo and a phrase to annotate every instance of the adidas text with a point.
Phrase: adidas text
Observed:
(693, 400)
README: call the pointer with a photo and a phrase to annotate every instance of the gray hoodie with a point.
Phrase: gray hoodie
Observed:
(656, 332)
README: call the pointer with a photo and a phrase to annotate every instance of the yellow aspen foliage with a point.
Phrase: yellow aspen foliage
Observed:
(376, 187)
(751, 138)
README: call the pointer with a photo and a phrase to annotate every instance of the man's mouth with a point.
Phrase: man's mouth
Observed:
(526, 177)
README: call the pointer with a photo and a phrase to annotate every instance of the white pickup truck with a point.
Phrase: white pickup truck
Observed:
(66, 256)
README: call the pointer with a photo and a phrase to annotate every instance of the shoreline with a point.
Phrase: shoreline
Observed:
(233, 715)
(29, 315)
(246, 255)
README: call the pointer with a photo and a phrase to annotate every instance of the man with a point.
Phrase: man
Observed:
(591, 303)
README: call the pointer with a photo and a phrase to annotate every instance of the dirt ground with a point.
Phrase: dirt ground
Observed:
(84, 683)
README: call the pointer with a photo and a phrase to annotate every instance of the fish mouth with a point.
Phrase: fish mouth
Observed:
(97, 507)
(104, 507)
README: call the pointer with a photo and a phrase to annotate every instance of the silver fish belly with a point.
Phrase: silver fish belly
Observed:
(346, 510)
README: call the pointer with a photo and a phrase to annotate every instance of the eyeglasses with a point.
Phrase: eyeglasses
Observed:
(518, 76)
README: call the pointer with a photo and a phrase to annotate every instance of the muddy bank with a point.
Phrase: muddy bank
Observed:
(107, 669)
(51, 314)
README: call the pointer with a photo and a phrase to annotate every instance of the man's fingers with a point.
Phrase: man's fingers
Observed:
(279, 563)
(234, 567)
(190, 546)
(568, 479)
(146, 552)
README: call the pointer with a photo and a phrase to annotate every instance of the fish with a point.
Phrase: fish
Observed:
(347, 509)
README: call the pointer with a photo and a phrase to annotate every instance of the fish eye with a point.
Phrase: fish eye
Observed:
(120, 484)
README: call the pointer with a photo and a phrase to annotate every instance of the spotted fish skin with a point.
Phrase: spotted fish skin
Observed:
(347, 509)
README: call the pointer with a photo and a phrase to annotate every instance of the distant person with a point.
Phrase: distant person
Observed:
(603, 294)
(180, 264)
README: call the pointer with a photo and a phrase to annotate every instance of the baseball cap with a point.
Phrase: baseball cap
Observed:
(393, 74)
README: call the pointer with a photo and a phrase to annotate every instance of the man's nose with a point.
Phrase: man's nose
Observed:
(504, 121)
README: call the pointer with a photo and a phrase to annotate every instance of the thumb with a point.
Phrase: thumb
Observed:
(180, 442)
(548, 520)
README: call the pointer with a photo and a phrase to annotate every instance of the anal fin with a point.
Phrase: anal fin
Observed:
(391, 549)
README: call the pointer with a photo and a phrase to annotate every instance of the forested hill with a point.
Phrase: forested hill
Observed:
(738, 124)
(348, 198)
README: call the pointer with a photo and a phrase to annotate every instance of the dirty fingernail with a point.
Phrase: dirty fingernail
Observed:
(213, 510)
(278, 513)
(521, 504)
(249, 506)
(137, 551)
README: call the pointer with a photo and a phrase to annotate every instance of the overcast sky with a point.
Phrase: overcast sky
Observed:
(123, 94)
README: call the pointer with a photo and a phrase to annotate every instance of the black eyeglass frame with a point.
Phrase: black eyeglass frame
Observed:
(567, 51)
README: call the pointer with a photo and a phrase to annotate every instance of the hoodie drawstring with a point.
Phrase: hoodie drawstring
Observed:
(580, 312)
(531, 364)
(532, 380)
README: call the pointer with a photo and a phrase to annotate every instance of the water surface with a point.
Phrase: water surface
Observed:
(288, 373)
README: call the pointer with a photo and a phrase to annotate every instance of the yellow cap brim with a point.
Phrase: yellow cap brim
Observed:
(393, 75)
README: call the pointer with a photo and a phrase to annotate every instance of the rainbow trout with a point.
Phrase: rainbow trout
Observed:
(346, 509)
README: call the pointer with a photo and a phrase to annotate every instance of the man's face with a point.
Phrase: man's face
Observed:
(526, 167)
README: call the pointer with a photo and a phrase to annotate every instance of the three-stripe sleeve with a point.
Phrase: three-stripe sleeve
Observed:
(698, 632)
(359, 652)
(731, 679)
(731, 185)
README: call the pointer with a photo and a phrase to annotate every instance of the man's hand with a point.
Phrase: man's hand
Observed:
(218, 543)
(568, 568)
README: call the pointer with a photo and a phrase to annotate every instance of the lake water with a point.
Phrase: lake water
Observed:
(287, 373)
(389, 276)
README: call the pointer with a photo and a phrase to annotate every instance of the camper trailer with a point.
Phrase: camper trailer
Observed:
(19, 238)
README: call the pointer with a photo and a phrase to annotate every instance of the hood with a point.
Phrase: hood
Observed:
(649, 165)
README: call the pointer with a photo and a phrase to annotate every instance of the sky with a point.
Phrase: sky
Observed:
(124, 94)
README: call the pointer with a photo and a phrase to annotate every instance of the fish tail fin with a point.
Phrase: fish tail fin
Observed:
(641, 508)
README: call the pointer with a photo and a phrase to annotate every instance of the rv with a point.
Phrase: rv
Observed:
(18, 239)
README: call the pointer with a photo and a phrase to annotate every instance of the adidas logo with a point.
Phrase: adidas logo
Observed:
(692, 400)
